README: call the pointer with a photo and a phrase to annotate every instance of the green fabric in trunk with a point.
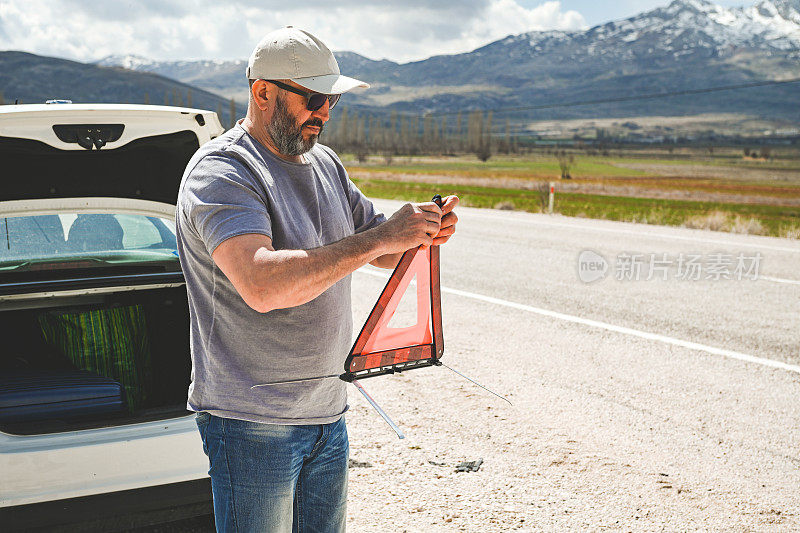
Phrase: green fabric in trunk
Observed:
(111, 342)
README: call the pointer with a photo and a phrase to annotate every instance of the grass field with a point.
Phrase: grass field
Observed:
(534, 167)
(760, 200)
(544, 165)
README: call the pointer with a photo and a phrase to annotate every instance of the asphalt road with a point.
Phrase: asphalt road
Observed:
(638, 404)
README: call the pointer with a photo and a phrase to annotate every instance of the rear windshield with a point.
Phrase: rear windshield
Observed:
(69, 241)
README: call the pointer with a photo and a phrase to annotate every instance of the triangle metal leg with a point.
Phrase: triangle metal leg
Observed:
(378, 408)
(284, 382)
(476, 383)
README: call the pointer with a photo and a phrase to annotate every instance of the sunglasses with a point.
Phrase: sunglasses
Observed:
(315, 100)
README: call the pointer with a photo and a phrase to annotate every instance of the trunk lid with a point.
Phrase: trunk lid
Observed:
(99, 150)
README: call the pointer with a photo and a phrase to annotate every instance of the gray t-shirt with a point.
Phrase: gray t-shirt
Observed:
(233, 185)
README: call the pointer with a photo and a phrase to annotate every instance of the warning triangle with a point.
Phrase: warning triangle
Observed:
(406, 313)
(383, 349)
(384, 337)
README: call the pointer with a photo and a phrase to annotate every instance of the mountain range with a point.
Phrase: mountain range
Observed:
(689, 44)
(29, 78)
(684, 46)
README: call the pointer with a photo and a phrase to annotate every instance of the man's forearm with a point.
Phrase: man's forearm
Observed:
(387, 260)
(293, 277)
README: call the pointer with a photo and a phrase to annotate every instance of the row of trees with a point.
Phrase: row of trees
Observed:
(393, 134)
(765, 153)
(361, 133)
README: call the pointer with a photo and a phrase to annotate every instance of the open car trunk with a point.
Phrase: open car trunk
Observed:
(94, 360)
(93, 314)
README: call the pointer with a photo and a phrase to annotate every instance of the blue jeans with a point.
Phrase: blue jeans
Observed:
(269, 477)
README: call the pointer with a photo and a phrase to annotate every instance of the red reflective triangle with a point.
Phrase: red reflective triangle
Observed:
(380, 349)
(384, 337)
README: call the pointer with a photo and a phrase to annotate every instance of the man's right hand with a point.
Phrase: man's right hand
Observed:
(410, 226)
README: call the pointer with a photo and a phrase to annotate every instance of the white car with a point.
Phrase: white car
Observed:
(95, 362)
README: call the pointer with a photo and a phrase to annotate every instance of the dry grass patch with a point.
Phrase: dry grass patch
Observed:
(749, 226)
(715, 221)
(505, 206)
(790, 233)
(722, 221)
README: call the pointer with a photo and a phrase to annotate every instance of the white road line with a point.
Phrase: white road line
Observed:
(636, 233)
(610, 327)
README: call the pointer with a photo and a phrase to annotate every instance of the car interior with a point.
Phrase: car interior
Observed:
(94, 361)
(99, 359)
(95, 232)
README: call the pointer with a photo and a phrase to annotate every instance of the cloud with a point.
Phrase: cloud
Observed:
(207, 29)
(547, 16)
(506, 17)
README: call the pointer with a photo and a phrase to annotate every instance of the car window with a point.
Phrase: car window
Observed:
(106, 238)
(137, 232)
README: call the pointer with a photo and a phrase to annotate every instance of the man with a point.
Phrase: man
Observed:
(269, 230)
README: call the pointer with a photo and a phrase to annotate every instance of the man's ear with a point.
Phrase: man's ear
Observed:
(259, 92)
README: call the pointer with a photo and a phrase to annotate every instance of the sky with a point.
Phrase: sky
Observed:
(399, 30)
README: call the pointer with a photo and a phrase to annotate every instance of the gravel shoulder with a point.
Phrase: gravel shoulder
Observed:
(607, 431)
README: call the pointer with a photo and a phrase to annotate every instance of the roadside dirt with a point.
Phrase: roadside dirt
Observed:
(709, 171)
(606, 433)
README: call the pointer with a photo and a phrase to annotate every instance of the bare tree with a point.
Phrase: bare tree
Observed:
(341, 127)
(458, 133)
(484, 152)
(480, 140)
(487, 130)
(404, 134)
(506, 146)
(544, 195)
(427, 130)
(475, 131)
(445, 136)
(565, 162)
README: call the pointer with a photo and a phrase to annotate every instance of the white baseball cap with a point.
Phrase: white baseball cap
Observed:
(294, 54)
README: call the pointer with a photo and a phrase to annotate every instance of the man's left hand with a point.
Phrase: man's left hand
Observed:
(449, 219)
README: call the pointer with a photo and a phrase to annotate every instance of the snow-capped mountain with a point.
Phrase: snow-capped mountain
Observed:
(130, 62)
(682, 27)
(224, 77)
(685, 24)
(686, 44)
(203, 73)
(694, 28)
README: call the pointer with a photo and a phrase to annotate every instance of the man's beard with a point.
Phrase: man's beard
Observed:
(287, 134)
